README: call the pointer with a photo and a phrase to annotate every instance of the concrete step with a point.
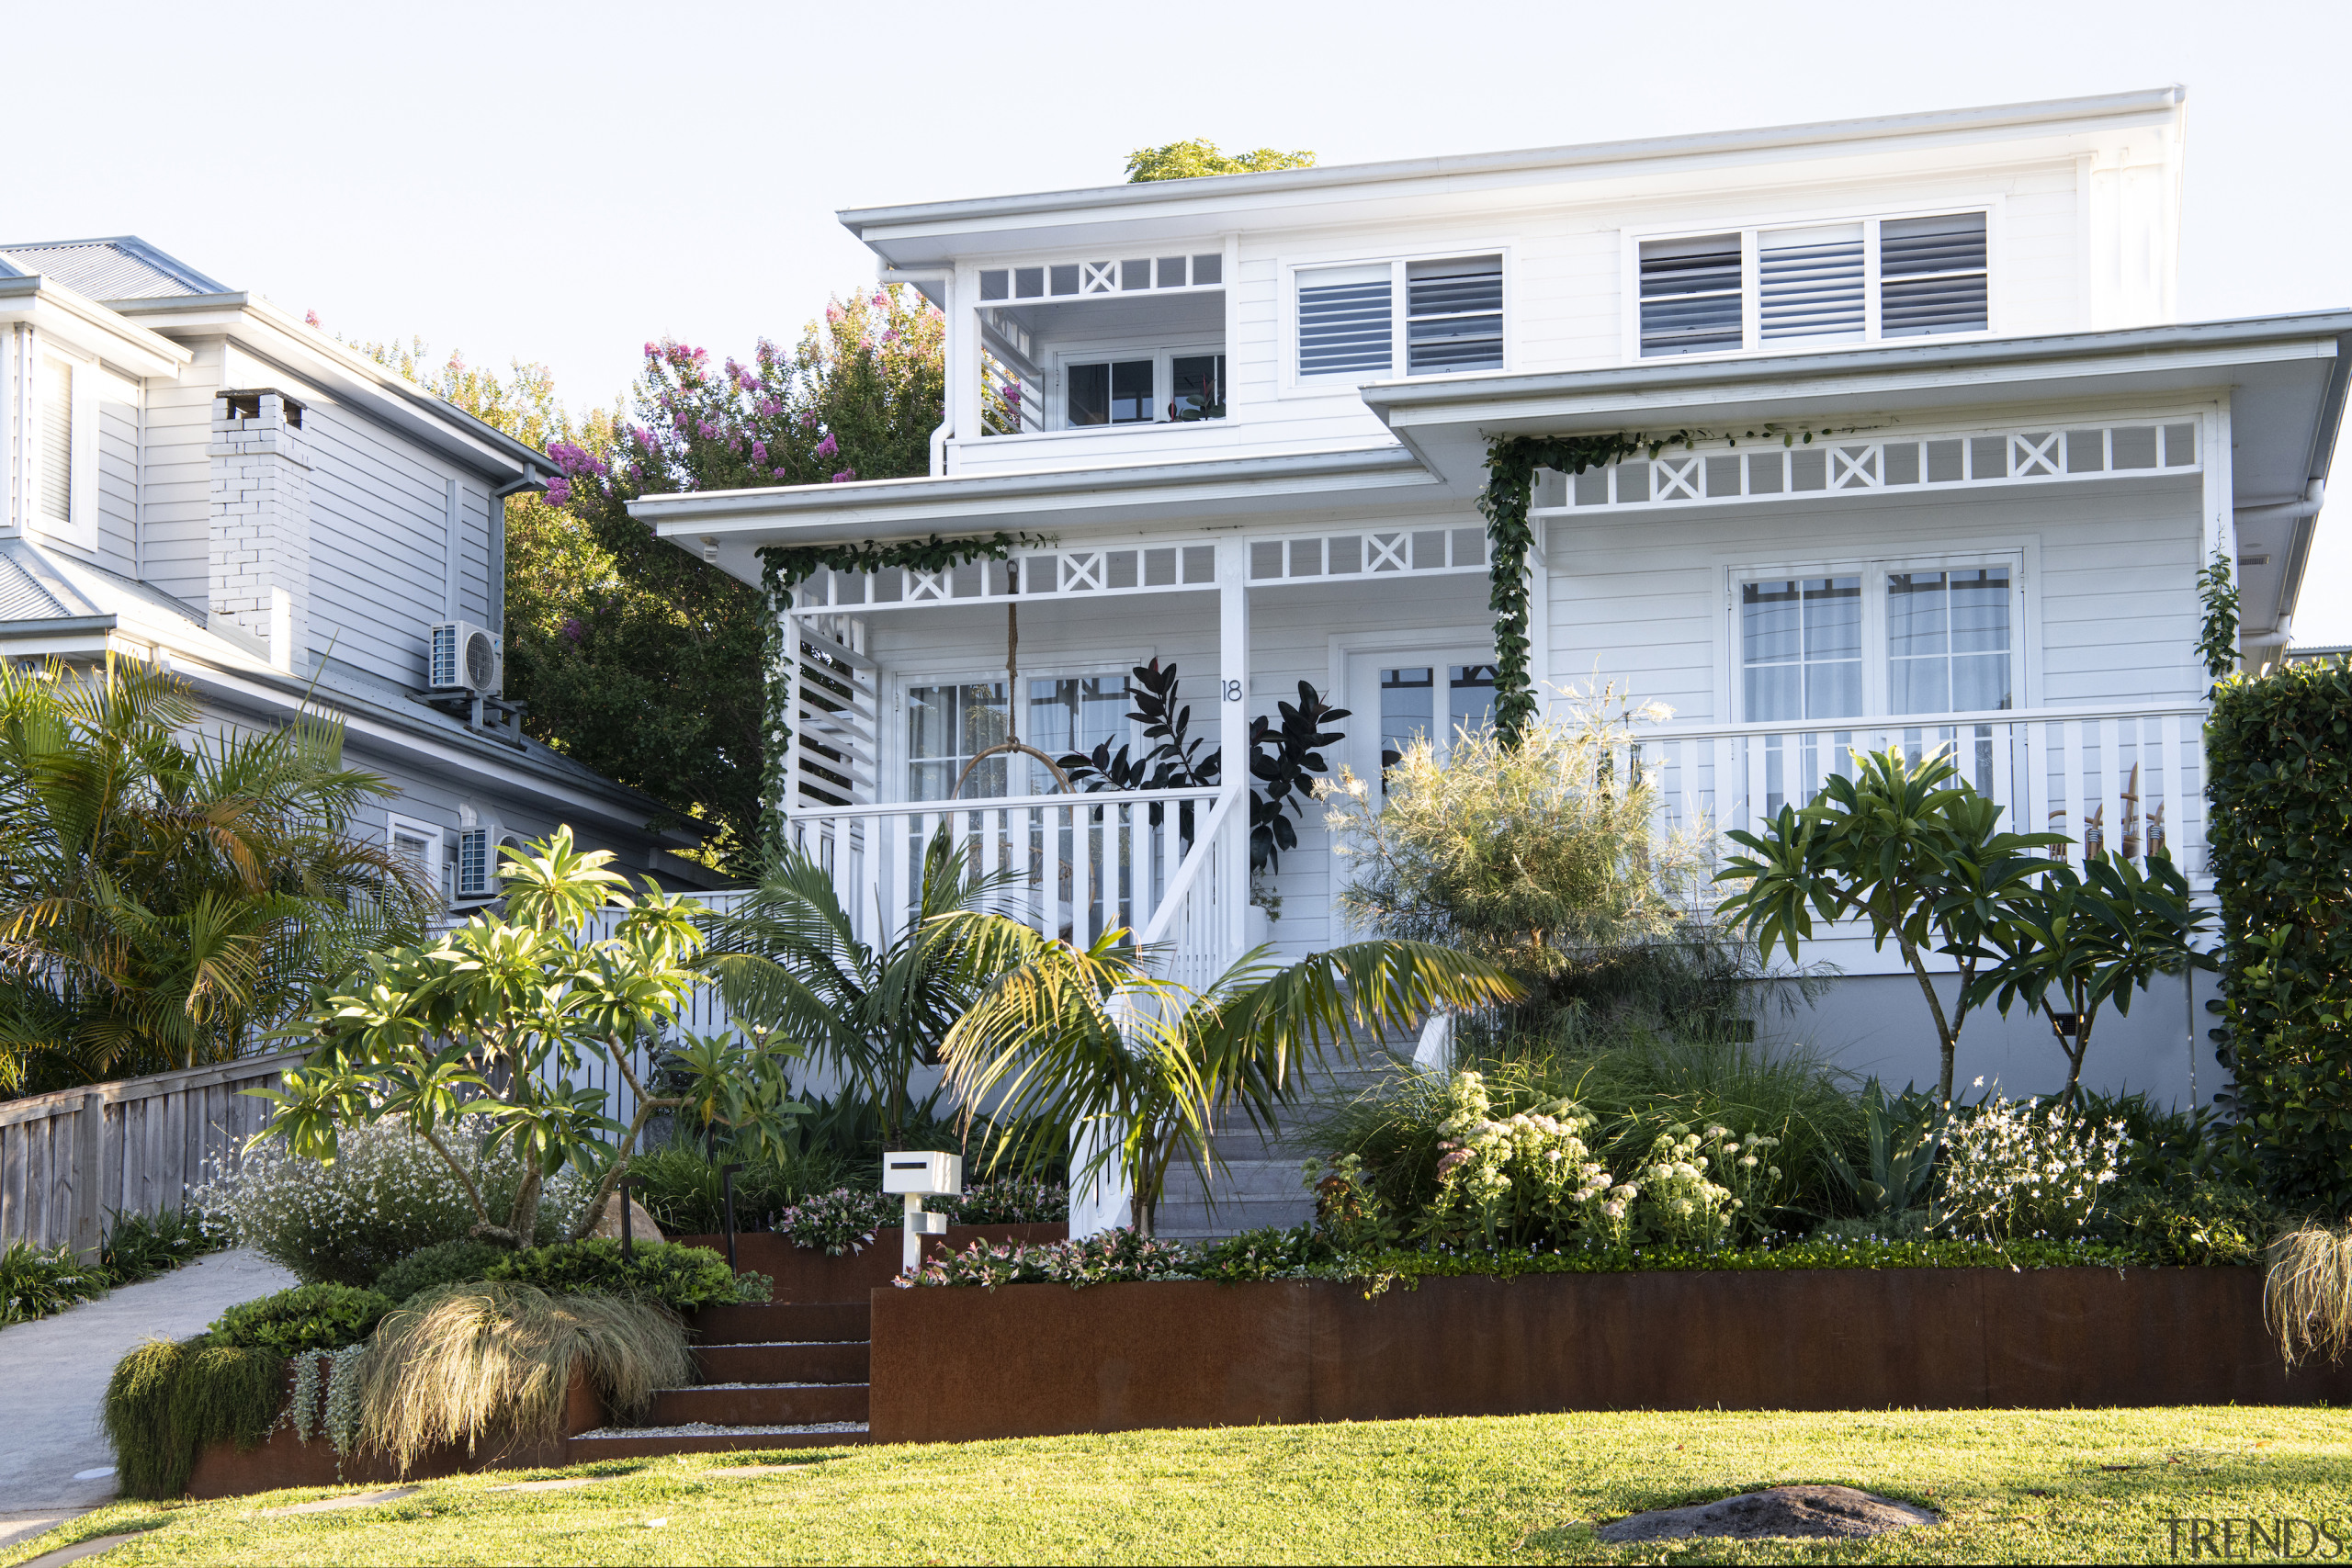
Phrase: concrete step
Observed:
(834, 1360)
(1247, 1195)
(760, 1403)
(635, 1442)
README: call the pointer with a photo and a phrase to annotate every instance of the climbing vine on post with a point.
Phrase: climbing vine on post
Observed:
(2217, 642)
(784, 568)
(1510, 495)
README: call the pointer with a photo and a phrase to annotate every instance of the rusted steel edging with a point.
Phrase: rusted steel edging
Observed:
(953, 1364)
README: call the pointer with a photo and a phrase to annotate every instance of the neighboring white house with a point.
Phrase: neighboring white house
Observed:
(195, 479)
(1251, 415)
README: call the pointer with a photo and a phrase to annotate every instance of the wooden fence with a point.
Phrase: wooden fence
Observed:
(70, 1159)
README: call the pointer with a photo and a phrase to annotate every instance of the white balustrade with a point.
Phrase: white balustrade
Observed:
(2131, 778)
(1074, 865)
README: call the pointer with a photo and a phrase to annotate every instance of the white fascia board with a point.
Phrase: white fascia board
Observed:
(56, 311)
(920, 233)
(268, 332)
(739, 523)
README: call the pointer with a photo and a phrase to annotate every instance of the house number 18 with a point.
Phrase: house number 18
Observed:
(1232, 691)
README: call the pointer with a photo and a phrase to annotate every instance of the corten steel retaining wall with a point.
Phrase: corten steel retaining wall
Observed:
(805, 1274)
(1029, 1361)
(282, 1459)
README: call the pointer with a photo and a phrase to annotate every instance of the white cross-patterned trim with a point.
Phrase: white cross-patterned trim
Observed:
(1727, 472)
(1387, 552)
(1098, 278)
(1081, 570)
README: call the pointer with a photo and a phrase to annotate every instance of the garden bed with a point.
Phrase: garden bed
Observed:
(282, 1459)
(805, 1274)
(1032, 1360)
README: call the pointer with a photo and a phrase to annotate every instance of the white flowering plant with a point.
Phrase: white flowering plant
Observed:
(387, 1193)
(1526, 1179)
(2017, 1169)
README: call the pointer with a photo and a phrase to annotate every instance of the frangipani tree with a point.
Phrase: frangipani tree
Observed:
(494, 1019)
(1089, 1042)
(1908, 846)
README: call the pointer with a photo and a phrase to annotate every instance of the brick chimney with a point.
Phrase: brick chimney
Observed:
(259, 577)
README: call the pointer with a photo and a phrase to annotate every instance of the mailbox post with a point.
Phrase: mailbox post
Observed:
(916, 1177)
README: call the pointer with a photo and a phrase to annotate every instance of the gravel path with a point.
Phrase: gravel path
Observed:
(53, 1373)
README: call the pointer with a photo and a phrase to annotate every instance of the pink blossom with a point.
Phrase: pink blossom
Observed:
(652, 349)
(845, 476)
(770, 408)
(779, 473)
(881, 300)
(832, 313)
(572, 630)
(760, 452)
(559, 492)
(828, 446)
(709, 429)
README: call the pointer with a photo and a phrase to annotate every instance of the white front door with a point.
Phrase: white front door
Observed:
(1402, 696)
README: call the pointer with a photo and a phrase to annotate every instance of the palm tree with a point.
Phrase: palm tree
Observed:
(167, 898)
(788, 961)
(1075, 1038)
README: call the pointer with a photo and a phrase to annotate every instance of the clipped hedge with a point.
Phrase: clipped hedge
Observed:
(2279, 753)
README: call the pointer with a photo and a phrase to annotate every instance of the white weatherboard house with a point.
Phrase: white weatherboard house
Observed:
(1251, 414)
(195, 479)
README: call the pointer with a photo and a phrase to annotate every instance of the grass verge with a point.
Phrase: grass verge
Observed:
(2014, 1486)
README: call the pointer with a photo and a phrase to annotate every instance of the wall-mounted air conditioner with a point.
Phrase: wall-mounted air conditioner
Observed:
(466, 658)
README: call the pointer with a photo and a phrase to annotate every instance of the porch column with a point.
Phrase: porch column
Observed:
(1233, 736)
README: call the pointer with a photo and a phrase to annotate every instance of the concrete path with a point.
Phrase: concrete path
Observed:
(53, 1374)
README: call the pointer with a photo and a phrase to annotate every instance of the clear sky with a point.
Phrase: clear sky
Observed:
(561, 182)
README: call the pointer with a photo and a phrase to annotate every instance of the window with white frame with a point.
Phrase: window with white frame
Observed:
(1178, 384)
(1432, 703)
(1863, 281)
(1348, 322)
(420, 844)
(949, 724)
(1891, 638)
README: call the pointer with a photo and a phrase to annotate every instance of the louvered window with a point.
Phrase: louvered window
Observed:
(1813, 286)
(1933, 276)
(1345, 321)
(1453, 315)
(56, 440)
(1690, 296)
(1810, 284)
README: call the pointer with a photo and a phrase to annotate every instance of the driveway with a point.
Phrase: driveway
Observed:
(53, 1374)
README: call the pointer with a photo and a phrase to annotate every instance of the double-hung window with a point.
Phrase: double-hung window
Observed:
(1432, 318)
(950, 724)
(1889, 640)
(1812, 286)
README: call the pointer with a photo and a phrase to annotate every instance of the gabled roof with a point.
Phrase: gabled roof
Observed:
(124, 268)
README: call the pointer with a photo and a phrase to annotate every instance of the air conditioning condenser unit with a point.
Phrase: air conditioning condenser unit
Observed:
(467, 657)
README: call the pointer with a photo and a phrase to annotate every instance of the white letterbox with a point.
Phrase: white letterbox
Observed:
(923, 1175)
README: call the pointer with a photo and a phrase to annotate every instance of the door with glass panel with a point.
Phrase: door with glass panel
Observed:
(1426, 695)
(951, 724)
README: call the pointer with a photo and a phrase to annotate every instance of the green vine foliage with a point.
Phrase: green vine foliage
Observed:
(784, 568)
(1510, 495)
(2216, 643)
(2279, 748)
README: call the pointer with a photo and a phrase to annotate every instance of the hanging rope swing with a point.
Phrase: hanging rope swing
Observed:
(1012, 744)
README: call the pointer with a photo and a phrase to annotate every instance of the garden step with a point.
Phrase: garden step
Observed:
(769, 1323)
(760, 1403)
(626, 1442)
(1249, 1194)
(832, 1361)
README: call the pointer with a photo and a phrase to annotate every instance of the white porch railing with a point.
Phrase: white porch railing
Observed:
(2127, 778)
(1197, 926)
(1081, 864)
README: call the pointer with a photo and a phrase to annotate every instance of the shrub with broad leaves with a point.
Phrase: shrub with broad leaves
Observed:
(307, 1318)
(679, 1278)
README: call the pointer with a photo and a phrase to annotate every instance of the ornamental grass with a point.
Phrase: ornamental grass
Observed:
(2306, 1295)
(494, 1362)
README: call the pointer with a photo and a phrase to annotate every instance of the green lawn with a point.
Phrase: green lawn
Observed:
(2013, 1486)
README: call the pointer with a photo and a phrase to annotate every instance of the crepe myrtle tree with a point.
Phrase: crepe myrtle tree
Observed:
(493, 1020)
